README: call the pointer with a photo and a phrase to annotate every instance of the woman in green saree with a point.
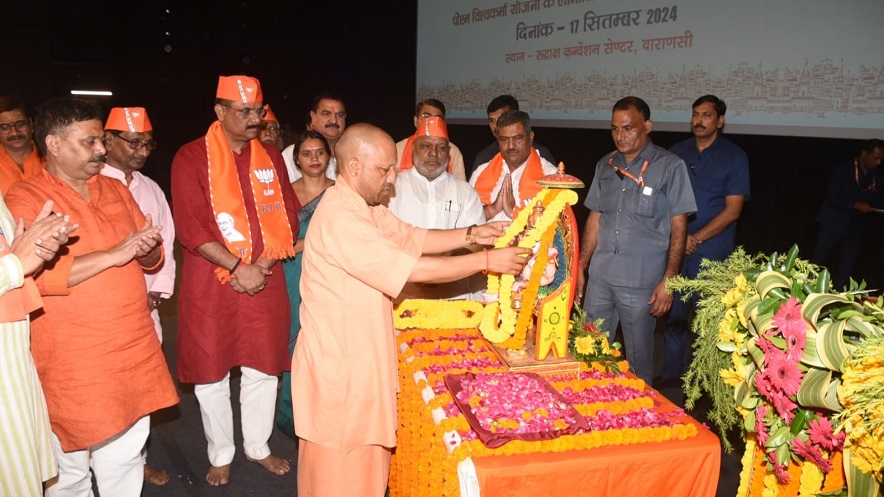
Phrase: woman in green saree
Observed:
(312, 155)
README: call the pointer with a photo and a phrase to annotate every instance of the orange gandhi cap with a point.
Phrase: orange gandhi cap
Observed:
(239, 88)
(132, 119)
(431, 126)
(270, 115)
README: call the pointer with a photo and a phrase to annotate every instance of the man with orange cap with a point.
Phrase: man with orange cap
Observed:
(128, 138)
(430, 107)
(19, 157)
(268, 131)
(95, 347)
(235, 215)
(428, 196)
(509, 180)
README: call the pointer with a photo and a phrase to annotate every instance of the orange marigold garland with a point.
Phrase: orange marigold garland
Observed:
(511, 330)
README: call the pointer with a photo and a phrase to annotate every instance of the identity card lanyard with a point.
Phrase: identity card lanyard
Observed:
(640, 181)
(870, 188)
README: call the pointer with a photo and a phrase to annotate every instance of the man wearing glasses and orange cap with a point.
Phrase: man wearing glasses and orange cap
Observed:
(234, 308)
(428, 195)
(19, 157)
(128, 138)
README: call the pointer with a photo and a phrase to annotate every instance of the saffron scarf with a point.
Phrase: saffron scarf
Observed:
(528, 186)
(17, 303)
(407, 159)
(228, 204)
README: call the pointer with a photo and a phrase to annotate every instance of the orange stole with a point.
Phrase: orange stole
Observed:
(226, 196)
(528, 186)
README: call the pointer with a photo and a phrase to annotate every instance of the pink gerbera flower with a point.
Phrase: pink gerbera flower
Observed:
(810, 452)
(779, 469)
(783, 374)
(784, 406)
(821, 433)
(794, 345)
(760, 427)
(788, 319)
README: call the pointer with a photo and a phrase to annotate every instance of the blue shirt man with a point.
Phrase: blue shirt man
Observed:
(719, 174)
(635, 236)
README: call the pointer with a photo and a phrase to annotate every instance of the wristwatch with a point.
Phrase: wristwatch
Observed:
(471, 239)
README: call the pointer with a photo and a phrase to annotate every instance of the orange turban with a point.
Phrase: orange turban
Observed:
(431, 126)
(132, 119)
(270, 115)
(243, 89)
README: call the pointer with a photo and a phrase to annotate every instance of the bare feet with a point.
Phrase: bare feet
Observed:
(275, 465)
(218, 475)
(155, 476)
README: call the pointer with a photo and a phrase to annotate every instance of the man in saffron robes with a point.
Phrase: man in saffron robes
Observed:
(357, 256)
(235, 216)
(95, 346)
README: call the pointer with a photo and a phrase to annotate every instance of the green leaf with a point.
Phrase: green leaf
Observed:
(779, 437)
(755, 352)
(749, 422)
(800, 421)
(824, 281)
(830, 345)
(768, 306)
(790, 258)
(814, 390)
(726, 346)
(783, 454)
(810, 357)
(750, 402)
(815, 303)
(863, 327)
(769, 281)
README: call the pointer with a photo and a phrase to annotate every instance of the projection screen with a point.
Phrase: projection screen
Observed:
(785, 67)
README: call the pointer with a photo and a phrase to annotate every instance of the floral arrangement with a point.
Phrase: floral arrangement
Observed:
(490, 397)
(589, 344)
(800, 364)
(434, 436)
(500, 323)
(435, 314)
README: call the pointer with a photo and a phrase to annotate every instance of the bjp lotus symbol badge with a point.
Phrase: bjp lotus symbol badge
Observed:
(265, 176)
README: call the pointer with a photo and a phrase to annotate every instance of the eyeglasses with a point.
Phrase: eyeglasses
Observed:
(248, 112)
(138, 144)
(272, 128)
(18, 125)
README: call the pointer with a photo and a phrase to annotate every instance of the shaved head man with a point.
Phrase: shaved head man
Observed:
(357, 258)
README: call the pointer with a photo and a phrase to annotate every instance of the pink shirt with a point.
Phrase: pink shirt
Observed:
(344, 371)
(151, 199)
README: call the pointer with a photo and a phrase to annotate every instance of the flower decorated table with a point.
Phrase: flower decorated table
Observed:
(636, 440)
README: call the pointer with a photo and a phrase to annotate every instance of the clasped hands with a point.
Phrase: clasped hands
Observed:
(137, 245)
(250, 278)
(42, 240)
(505, 201)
